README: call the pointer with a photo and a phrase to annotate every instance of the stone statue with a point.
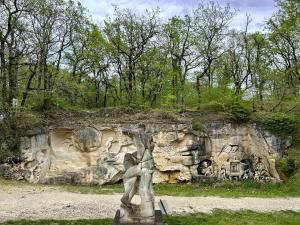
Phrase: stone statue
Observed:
(138, 178)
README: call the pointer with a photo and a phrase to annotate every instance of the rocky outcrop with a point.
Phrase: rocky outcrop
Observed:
(95, 154)
(240, 151)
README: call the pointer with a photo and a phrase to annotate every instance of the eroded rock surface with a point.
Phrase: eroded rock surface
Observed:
(95, 154)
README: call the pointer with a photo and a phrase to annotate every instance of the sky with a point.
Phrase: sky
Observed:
(259, 10)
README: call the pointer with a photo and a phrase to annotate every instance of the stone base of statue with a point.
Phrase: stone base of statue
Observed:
(137, 220)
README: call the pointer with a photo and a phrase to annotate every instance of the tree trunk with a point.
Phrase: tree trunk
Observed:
(183, 97)
(3, 73)
(25, 93)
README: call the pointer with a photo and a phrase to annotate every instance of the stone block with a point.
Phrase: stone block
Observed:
(158, 219)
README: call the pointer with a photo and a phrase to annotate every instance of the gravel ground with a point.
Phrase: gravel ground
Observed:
(50, 203)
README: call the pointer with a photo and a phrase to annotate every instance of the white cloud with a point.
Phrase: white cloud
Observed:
(260, 10)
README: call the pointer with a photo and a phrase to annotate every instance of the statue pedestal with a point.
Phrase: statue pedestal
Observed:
(158, 219)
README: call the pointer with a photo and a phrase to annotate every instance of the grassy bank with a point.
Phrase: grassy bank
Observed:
(247, 188)
(226, 189)
(218, 217)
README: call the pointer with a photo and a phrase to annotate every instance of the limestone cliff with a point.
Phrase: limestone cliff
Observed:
(94, 154)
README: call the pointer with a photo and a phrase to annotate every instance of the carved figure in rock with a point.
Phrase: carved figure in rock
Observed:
(261, 174)
(41, 163)
(247, 174)
(87, 140)
(108, 144)
(138, 178)
(206, 169)
(223, 175)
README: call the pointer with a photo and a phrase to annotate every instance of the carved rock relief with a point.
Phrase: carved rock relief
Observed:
(94, 155)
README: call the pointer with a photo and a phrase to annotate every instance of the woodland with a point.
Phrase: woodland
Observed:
(54, 57)
(52, 54)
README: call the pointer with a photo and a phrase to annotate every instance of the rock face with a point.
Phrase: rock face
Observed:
(95, 154)
(240, 151)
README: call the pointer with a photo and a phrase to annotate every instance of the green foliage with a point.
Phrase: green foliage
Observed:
(287, 166)
(293, 185)
(168, 101)
(240, 110)
(294, 153)
(11, 129)
(197, 125)
(213, 106)
(280, 124)
(222, 99)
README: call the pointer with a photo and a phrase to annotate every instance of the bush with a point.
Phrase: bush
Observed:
(222, 99)
(239, 110)
(293, 184)
(281, 124)
(11, 128)
(8, 144)
(197, 125)
(211, 106)
(287, 166)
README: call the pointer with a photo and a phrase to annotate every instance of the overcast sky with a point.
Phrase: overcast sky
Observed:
(260, 10)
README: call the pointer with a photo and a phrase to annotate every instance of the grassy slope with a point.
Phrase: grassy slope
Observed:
(219, 217)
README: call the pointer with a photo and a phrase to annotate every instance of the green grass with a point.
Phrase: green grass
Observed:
(218, 217)
(221, 217)
(248, 188)
(104, 189)
(60, 222)
(227, 189)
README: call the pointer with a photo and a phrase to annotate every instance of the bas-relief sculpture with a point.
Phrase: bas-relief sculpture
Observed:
(95, 154)
(232, 163)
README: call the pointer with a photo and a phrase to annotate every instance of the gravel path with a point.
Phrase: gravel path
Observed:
(51, 203)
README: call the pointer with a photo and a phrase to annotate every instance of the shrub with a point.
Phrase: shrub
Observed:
(11, 129)
(239, 110)
(211, 106)
(8, 144)
(281, 124)
(197, 125)
(293, 184)
(287, 166)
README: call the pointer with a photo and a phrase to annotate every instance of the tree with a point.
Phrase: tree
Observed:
(180, 42)
(211, 24)
(238, 59)
(12, 46)
(284, 29)
(260, 64)
(129, 35)
(96, 64)
(51, 27)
